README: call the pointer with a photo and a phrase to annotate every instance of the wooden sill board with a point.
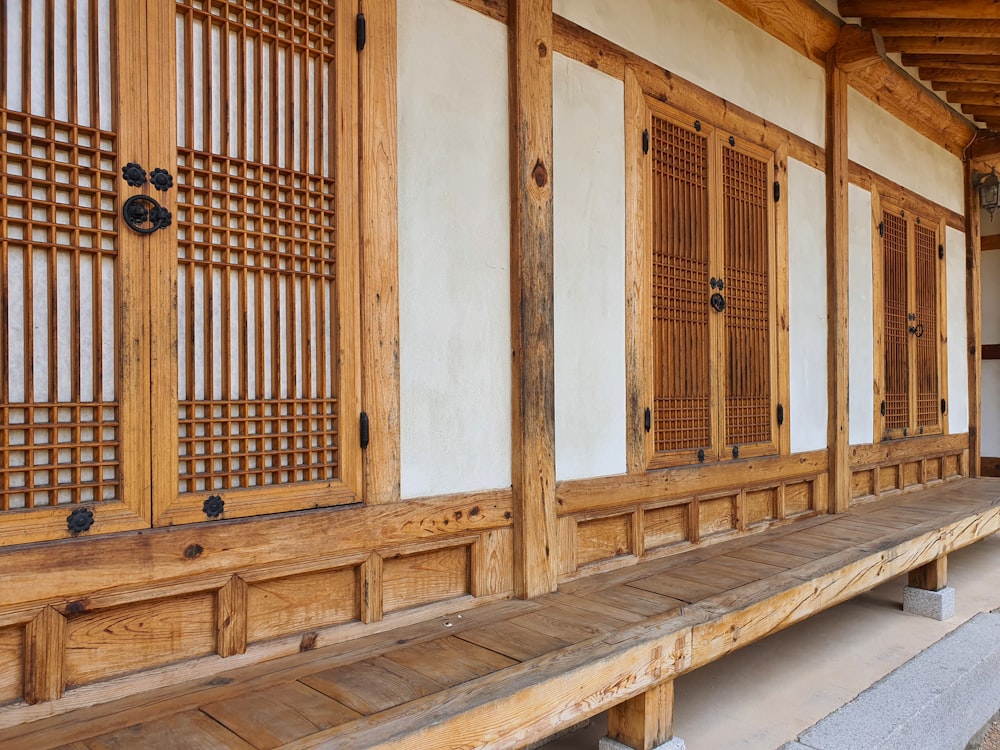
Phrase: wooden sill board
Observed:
(511, 673)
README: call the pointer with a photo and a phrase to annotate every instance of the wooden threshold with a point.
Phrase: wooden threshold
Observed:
(514, 672)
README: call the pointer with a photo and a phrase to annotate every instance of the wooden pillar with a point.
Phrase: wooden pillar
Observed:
(532, 343)
(379, 250)
(973, 307)
(838, 249)
(931, 577)
(646, 721)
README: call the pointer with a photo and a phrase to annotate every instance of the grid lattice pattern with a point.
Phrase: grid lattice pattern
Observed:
(928, 407)
(256, 256)
(59, 429)
(894, 244)
(748, 318)
(680, 219)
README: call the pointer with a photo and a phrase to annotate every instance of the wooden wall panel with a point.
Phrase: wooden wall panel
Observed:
(862, 483)
(932, 470)
(493, 563)
(717, 516)
(667, 526)
(425, 577)
(761, 506)
(911, 474)
(907, 465)
(603, 538)
(800, 497)
(304, 602)
(951, 466)
(11, 659)
(127, 639)
(888, 478)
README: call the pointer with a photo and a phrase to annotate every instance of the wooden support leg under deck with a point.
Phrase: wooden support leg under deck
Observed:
(928, 593)
(645, 722)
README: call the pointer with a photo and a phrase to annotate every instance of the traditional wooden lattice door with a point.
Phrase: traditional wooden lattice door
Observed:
(147, 370)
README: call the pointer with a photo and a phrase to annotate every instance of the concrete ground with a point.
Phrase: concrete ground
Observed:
(766, 694)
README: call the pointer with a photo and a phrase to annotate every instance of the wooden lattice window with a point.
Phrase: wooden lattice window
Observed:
(909, 270)
(712, 369)
(141, 374)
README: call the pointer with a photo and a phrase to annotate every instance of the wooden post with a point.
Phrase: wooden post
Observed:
(932, 577)
(379, 246)
(974, 312)
(838, 250)
(646, 721)
(44, 642)
(531, 259)
(231, 617)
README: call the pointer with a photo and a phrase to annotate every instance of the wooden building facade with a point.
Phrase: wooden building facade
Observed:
(325, 318)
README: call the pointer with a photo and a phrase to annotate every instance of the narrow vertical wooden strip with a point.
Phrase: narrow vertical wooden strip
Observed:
(72, 82)
(379, 243)
(231, 618)
(646, 721)
(533, 443)
(878, 320)
(941, 362)
(44, 646)
(370, 588)
(932, 577)
(838, 252)
(974, 318)
(50, 63)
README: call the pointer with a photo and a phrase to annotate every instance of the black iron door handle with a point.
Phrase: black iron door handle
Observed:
(718, 302)
(145, 215)
(917, 330)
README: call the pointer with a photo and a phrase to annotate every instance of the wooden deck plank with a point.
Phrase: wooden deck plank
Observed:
(513, 640)
(769, 557)
(190, 730)
(641, 602)
(450, 660)
(593, 607)
(282, 713)
(670, 585)
(561, 624)
(372, 685)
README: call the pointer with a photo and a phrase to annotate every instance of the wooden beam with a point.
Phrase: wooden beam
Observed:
(646, 721)
(978, 27)
(919, 9)
(807, 28)
(971, 78)
(838, 258)
(986, 146)
(974, 316)
(941, 45)
(982, 112)
(989, 242)
(533, 391)
(858, 48)
(990, 351)
(949, 61)
(982, 98)
(379, 246)
(932, 577)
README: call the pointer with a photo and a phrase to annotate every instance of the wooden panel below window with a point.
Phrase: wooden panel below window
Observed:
(863, 483)
(603, 538)
(131, 638)
(11, 659)
(951, 466)
(493, 563)
(932, 470)
(666, 526)
(761, 505)
(911, 474)
(888, 478)
(800, 497)
(304, 602)
(425, 577)
(716, 516)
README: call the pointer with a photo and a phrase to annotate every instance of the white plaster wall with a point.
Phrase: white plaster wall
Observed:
(717, 49)
(807, 326)
(861, 319)
(885, 145)
(989, 224)
(589, 196)
(454, 239)
(958, 336)
(990, 421)
(990, 446)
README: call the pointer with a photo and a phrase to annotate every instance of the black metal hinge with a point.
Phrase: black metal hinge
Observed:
(944, 406)
(883, 408)
(648, 420)
(881, 229)
(362, 31)
(781, 415)
(645, 141)
(940, 252)
(777, 191)
(363, 423)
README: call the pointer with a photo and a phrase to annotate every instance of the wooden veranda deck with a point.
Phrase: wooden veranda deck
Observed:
(513, 672)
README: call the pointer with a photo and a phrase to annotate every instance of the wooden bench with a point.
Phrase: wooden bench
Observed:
(512, 673)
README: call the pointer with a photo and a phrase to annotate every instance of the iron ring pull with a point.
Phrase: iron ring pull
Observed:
(144, 214)
(917, 330)
(718, 302)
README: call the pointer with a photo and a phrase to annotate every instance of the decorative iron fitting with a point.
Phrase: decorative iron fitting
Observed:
(701, 455)
(161, 179)
(648, 419)
(718, 302)
(145, 215)
(732, 141)
(736, 451)
(79, 520)
(213, 506)
(134, 174)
